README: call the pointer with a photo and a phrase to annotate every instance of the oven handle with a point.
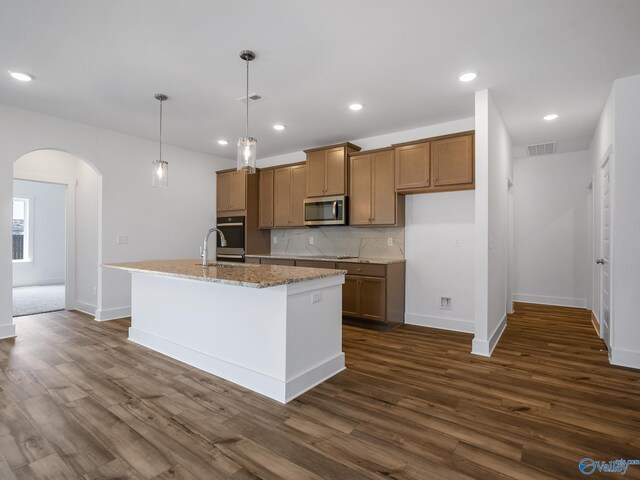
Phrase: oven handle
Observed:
(236, 224)
(335, 210)
(229, 256)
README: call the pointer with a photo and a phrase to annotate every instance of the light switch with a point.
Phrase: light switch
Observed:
(122, 239)
(275, 240)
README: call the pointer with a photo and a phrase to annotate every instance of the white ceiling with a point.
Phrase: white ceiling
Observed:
(100, 62)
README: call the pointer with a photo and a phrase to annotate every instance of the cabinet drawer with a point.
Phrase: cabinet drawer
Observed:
(369, 269)
(277, 261)
(315, 264)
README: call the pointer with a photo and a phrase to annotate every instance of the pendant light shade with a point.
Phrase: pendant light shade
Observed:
(160, 168)
(247, 145)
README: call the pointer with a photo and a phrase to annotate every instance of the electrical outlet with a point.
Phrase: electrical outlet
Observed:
(456, 242)
(275, 240)
(310, 240)
(122, 239)
(316, 297)
(446, 303)
(390, 242)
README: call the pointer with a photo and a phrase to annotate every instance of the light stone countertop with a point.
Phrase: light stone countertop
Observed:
(240, 274)
(323, 258)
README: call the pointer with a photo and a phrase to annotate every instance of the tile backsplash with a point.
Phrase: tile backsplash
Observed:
(355, 242)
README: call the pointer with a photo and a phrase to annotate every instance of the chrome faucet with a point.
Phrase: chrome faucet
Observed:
(205, 247)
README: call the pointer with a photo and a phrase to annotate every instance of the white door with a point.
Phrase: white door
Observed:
(605, 249)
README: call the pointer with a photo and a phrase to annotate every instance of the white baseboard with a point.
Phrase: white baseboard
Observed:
(7, 331)
(104, 314)
(624, 358)
(442, 323)
(544, 300)
(86, 308)
(485, 347)
(277, 389)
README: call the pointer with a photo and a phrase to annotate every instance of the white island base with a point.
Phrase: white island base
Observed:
(279, 341)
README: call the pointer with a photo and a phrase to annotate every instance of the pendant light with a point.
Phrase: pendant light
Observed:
(247, 145)
(160, 171)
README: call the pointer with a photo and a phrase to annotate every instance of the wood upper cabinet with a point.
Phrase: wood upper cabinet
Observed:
(327, 170)
(436, 164)
(412, 166)
(298, 194)
(373, 199)
(265, 196)
(289, 190)
(231, 191)
(452, 161)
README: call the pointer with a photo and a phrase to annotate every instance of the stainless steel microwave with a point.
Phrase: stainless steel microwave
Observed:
(325, 211)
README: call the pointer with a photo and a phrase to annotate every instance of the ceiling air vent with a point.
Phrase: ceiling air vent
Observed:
(253, 98)
(541, 149)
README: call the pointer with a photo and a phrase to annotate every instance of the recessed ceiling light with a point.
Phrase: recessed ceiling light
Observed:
(551, 116)
(356, 106)
(279, 127)
(21, 76)
(467, 76)
(223, 142)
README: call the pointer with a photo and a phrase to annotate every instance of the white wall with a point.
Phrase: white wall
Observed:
(46, 263)
(435, 267)
(160, 223)
(494, 158)
(440, 254)
(551, 235)
(625, 235)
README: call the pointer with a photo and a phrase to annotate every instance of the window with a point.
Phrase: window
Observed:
(20, 229)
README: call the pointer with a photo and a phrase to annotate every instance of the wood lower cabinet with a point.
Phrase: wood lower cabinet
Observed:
(265, 203)
(289, 187)
(373, 199)
(231, 191)
(327, 170)
(316, 264)
(435, 165)
(373, 294)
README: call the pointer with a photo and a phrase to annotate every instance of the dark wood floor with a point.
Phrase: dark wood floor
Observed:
(78, 401)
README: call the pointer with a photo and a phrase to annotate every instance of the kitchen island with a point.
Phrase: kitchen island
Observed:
(275, 330)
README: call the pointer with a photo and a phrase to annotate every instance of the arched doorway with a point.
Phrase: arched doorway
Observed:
(82, 183)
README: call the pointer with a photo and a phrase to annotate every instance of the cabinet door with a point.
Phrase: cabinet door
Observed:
(335, 165)
(237, 191)
(316, 183)
(383, 194)
(265, 195)
(350, 296)
(452, 160)
(282, 197)
(298, 194)
(372, 298)
(412, 166)
(222, 192)
(360, 190)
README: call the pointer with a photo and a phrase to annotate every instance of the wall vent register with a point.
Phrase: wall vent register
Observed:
(541, 149)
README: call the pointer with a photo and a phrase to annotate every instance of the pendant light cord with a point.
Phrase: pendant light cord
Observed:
(161, 130)
(247, 97)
